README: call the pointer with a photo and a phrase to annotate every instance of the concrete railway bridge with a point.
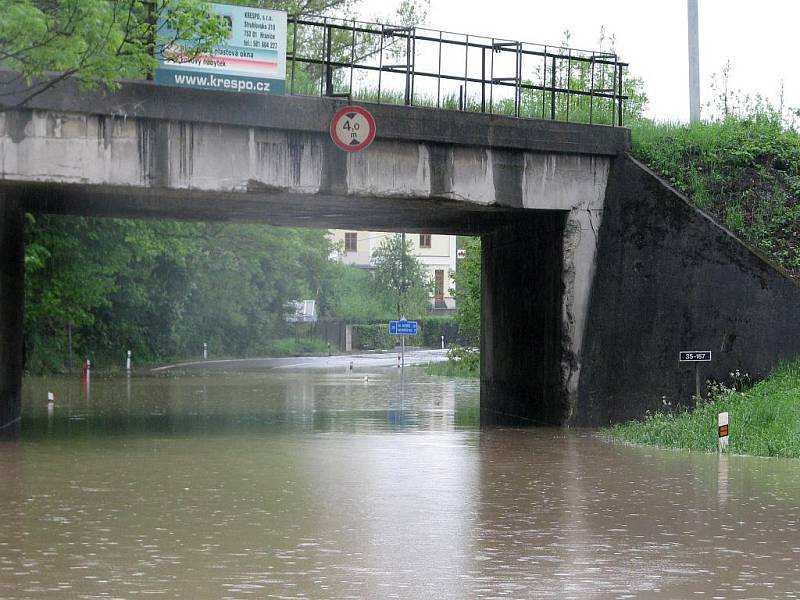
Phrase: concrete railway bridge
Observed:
(595, 273)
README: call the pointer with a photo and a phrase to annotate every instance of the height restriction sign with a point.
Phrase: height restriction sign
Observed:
(352, 128)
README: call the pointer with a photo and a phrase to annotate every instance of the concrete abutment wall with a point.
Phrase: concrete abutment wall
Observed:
(522, 381)
(669, 278)
(12, 290)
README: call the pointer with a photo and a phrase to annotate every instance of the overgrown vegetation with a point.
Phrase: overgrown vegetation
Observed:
(468, 291)
(430, 331)
(101, 42)
(354, 297)
(401, 278)
(161, 289)
(742, 170)
(764, 420)
(461, 362)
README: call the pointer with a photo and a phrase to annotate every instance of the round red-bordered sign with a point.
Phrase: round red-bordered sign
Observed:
(352, 128)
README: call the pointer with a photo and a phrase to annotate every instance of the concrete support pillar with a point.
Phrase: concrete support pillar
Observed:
(521, 330)
(12, 287)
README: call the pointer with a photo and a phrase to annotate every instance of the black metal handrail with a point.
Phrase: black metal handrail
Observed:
(354, 58)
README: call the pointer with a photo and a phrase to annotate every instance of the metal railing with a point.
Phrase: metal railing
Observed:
(424, 67)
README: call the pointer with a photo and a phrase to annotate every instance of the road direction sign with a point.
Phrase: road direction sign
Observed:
(403, 327)
(695, 356)
(352, 128)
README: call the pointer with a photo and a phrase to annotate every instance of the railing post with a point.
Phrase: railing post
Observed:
(328, 66)
(407, 97)
(439, 75)
(413, 61)
(544, 83)
(620, 99)
(553, 91)
(352, 58)
(294, 54)
(483, 80)
(591, 93)
(380, 65)
(518, 91)
(569, 81)
(466, 71)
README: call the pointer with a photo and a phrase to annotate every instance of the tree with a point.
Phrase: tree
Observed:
(399, 275)
(99, 42)
(162, 288)
(468, 290)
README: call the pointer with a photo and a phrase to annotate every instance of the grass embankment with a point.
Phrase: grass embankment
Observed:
(745, 172)
(452, 369)
(461, 362)
(764, 420)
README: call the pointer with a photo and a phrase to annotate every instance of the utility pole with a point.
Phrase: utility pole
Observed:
(694, 63)
(402, 295)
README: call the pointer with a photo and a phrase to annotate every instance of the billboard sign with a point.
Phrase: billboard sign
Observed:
(253, 59)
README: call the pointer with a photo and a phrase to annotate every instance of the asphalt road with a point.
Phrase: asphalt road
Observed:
(339, 361)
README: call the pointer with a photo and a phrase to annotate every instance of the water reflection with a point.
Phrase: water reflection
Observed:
(252, 401)
(340, 485)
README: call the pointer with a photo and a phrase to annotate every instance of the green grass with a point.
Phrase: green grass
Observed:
(745, 172)
(462, 362)
(764, 420)
(294, 346)
(452, 368)
(533, 104)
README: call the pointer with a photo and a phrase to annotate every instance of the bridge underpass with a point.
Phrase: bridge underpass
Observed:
(586, 256)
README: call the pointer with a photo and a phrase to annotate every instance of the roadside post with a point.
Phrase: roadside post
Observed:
(695, 356)
(722, 421)
(205, 350)
(402, 328)
(128, 363)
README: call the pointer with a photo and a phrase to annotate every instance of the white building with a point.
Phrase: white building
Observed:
(436, 252)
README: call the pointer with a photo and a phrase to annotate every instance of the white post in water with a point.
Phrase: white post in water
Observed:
(50, 397)
(723, 431)
(128, 362)
(205, 350)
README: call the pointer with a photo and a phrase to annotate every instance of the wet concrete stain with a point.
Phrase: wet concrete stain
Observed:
(16, 122)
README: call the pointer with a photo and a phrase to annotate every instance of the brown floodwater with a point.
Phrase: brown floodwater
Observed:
(323, 484)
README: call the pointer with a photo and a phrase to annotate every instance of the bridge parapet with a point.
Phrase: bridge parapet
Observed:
(252, 151)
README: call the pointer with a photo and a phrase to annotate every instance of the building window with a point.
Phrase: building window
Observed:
(424, 240)
(350, 241)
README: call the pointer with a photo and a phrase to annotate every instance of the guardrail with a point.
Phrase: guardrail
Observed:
(424, 67)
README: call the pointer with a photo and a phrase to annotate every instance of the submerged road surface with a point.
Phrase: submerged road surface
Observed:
(339, 361)
(284, 483)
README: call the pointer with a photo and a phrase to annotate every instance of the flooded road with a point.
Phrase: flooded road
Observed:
(332, 484)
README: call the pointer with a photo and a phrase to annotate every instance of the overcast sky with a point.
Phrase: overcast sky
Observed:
(759, 38)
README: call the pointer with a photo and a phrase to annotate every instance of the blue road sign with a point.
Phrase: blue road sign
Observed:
(403, 327)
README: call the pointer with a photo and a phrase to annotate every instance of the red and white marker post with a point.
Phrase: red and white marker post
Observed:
(722, 420)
